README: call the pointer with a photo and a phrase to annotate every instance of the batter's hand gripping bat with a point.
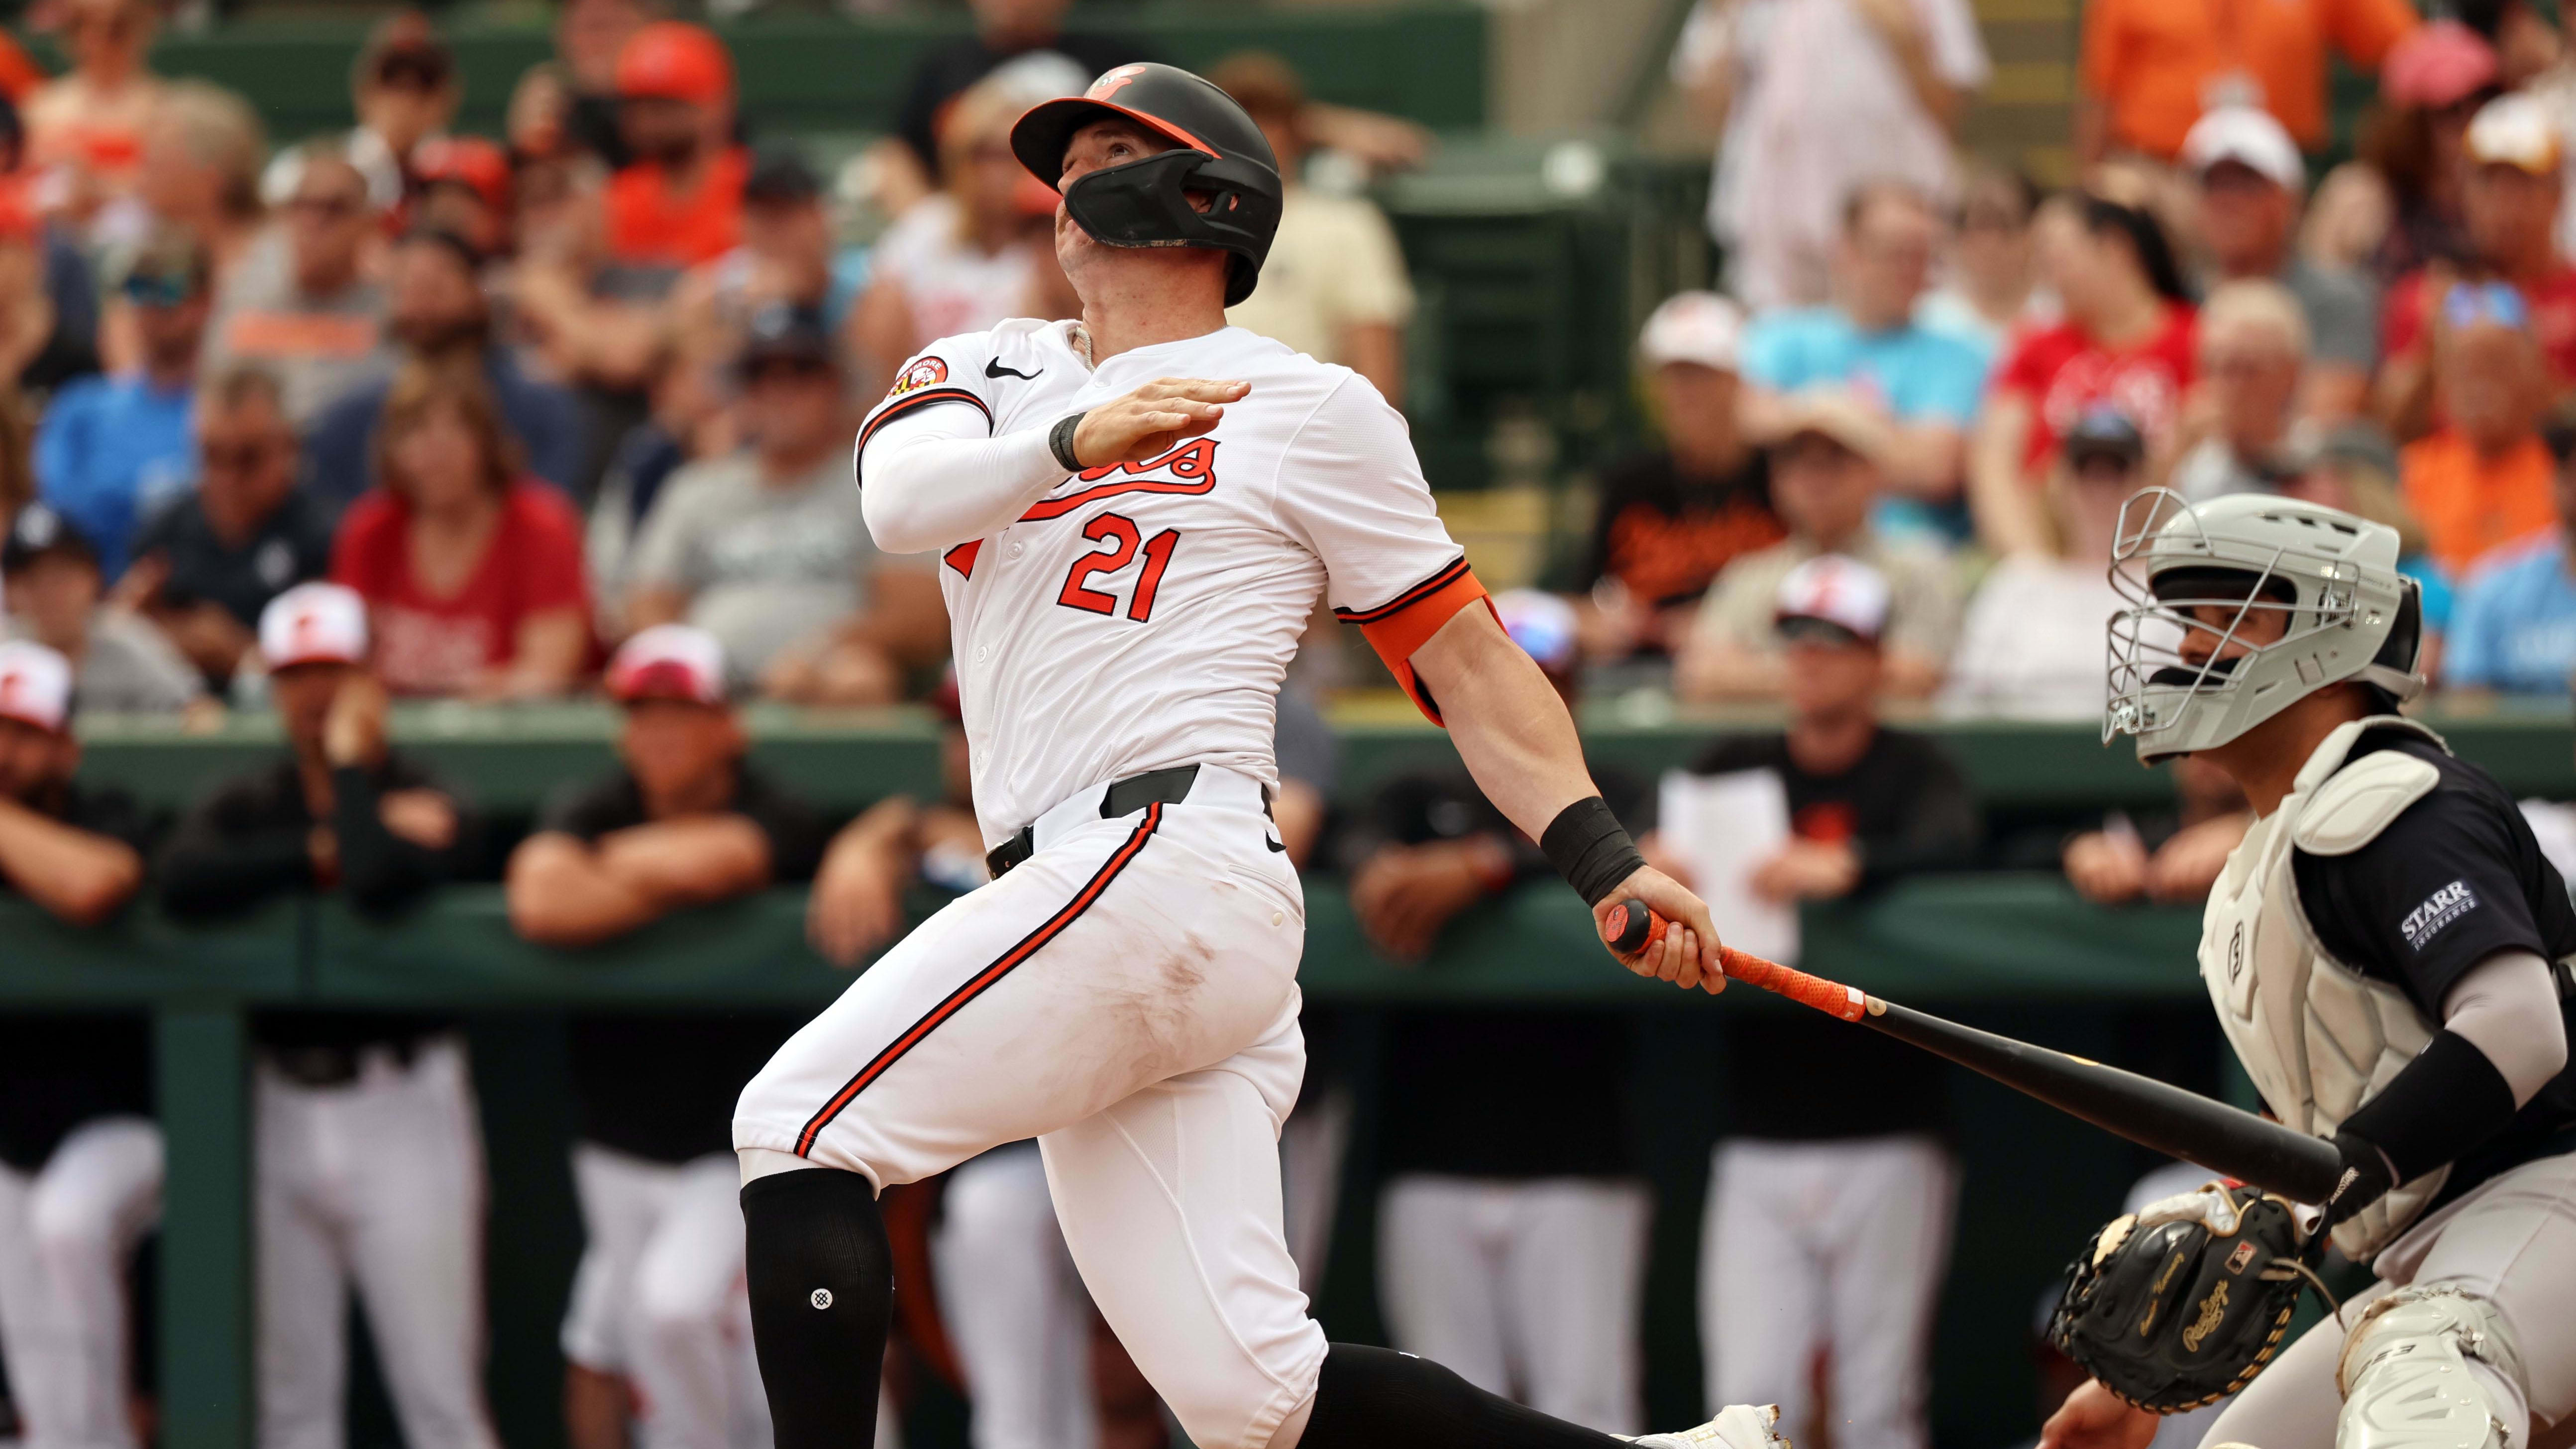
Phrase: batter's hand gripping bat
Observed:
(2224, 1139)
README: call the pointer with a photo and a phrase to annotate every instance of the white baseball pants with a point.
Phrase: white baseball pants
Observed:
(1527, 1289)
(1014, 1306)
(377, 1184)
(66, 1233)
(2510, 1240)
(659, 1296)
(1836, 1247)
(1127, 996)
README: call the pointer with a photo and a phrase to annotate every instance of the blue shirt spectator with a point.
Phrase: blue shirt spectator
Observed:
(2514, 628)
(1930, 381)
(112, 450)
(438, 313)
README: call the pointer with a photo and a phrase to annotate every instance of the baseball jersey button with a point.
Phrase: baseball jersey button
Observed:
(983, 652)
(1018, 548)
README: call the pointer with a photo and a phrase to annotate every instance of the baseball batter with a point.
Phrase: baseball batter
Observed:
(1129, 551)
(2389, 954)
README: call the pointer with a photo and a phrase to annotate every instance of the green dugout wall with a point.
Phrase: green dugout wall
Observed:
(2013, 952)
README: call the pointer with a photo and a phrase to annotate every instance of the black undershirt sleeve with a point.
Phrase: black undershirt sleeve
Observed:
(2440, 890)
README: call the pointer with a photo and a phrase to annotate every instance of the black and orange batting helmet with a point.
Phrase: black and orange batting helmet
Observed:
(1146, 203)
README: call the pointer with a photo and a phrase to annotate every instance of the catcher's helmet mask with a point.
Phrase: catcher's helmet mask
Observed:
(2191, 667)
(1222, 158)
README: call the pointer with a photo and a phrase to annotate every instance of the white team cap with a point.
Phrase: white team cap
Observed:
(668, 661)
(2515, 130)
(1834, 589)
(2250, 137)
(1541, 623)
(1700, 327)
(35, 685)
(314, 623)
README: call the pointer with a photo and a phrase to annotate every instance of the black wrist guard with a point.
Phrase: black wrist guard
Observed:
(1591, 849)
(1060, 441)
(2447, 1102)
(2367, 1176)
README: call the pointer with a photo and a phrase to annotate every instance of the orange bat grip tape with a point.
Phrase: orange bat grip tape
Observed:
(1830, 997)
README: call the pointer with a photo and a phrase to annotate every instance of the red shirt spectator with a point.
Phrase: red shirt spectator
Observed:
(2551, 296)
(472, 570)
(2064, 371)
(2509, 195)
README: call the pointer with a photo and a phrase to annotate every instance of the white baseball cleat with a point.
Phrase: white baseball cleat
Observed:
(1737, 1426)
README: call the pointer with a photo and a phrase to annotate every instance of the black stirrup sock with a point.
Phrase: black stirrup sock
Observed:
(822, 1293)
(1370, 1398)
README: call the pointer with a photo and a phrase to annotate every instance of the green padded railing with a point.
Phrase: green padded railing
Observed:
(507, 759)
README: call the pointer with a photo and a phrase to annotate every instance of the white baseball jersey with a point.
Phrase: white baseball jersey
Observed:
(1142, 615)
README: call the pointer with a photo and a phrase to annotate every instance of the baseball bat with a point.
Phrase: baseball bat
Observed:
(2226, 1140)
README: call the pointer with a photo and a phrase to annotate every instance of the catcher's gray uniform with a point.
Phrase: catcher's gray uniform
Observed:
(2388, 953)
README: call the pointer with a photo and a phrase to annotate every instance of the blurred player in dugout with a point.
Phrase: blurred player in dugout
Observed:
(368, 1170)
(658, 1334)
(1512, 1231)
(1828, 1219)
(80, 1158)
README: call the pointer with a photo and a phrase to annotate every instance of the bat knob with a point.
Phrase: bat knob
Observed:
(1630, 927)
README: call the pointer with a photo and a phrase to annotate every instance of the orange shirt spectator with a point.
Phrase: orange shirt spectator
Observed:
(2154, 66)
(651, 223)
(2485, 479)
(471, 570)
(2470, 502)
(679, 203)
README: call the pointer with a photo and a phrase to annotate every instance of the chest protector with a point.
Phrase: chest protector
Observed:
(2318, 1037)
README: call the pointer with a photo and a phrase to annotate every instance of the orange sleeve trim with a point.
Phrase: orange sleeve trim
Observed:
(1407, 623)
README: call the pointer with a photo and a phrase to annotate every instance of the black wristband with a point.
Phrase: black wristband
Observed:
(1591, 849)
(1060, 441)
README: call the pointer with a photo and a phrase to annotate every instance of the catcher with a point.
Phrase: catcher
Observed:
(2388, 953)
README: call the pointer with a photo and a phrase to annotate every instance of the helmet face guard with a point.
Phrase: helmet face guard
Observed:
(1146, 203)
(2238, 608)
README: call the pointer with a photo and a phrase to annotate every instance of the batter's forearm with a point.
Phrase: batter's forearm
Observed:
(929, 480)
(1510, 727)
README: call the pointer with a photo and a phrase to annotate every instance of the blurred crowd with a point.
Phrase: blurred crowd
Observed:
(403, 413)
(532, 394)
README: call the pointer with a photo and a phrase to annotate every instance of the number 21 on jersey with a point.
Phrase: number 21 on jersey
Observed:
(1122, 541)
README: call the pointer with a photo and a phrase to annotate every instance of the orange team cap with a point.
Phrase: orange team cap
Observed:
(468, 161)
(674, 61)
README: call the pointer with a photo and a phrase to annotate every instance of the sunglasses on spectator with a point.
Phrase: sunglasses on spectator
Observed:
(235, 457)
(2476, 302)
(418, 70)
(147, 290)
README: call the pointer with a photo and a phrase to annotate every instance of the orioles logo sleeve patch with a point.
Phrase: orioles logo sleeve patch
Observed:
(924, 372)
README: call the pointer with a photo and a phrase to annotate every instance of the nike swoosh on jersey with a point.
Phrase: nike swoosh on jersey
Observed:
(995, 369)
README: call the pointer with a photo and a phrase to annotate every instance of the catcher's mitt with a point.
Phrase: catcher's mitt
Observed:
(2184, 1303)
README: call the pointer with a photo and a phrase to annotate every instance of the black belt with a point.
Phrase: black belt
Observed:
(1167, 787)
